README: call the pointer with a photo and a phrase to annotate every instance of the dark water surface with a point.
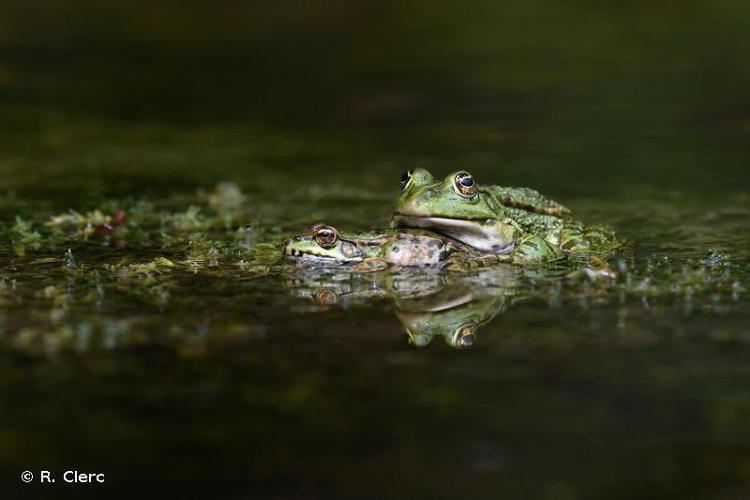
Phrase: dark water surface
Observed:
(220, 371)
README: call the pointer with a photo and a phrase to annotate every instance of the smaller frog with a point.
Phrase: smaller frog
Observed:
(372, 250)
(376, 250)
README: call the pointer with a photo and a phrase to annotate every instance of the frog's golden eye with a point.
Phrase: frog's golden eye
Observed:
(405, 179)
(325, 236)
(465, 185)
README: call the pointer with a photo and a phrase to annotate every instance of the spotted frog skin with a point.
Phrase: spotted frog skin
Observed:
(493, 219)
(373, 250)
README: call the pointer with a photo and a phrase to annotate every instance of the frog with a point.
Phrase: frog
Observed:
(373, 250)
(322, 244)
(494, 219)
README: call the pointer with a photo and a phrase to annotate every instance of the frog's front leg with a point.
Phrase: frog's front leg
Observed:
(535, 249)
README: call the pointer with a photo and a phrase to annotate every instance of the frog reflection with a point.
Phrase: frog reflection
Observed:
(426, 304)
(343, 289)
(454, 314)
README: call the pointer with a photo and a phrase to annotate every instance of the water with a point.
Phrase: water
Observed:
(220, 371)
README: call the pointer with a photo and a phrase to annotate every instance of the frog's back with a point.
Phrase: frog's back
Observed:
(526, 199)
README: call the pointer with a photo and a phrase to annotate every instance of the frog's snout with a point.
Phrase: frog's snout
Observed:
(286, 247)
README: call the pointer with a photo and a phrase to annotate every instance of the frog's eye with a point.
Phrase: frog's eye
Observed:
(325, 236)
(465, 185)
(465, 335)
(405, 178)
(325, 297)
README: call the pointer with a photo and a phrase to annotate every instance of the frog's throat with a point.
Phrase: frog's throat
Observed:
(492, 238)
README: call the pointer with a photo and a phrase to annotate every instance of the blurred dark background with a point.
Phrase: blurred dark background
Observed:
(571, 97)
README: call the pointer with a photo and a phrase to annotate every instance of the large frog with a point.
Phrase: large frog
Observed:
(376, 250)
(493, 218)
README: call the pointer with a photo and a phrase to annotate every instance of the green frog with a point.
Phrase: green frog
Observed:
(493, 219)
(377, 250)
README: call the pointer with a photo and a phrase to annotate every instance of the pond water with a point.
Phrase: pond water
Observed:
(178, 354)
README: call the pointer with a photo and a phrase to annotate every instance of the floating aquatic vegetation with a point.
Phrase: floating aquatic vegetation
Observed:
(138, 222)
(73, 219)
(259, 260)
(661, 276)
(202, 253)
(157, 266)
(189, 220)
(23, 236)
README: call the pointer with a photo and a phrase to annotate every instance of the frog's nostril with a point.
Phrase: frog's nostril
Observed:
(432, 192)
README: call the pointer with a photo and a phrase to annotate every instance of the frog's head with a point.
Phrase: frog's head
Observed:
(322, 243)
(454, 206)
(456, 326)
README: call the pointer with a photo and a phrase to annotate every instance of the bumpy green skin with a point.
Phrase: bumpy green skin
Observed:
(532, 248)
(378, 249)
(496, 219)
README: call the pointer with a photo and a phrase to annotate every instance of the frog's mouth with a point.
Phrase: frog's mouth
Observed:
(310, 255)
(487, 235)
